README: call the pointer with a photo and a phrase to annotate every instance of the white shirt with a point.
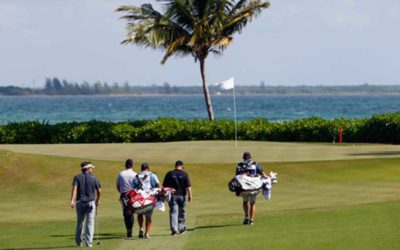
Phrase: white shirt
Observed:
(148, 179)
(124, 180)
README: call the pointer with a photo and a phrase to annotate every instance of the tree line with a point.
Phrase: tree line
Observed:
(55, 86)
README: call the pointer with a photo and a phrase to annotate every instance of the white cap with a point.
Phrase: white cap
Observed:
(88, 166)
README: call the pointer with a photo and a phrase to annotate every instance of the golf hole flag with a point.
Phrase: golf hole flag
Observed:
(228, 84)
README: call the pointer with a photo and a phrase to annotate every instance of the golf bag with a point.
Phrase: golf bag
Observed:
(253, 185)
(139, 201)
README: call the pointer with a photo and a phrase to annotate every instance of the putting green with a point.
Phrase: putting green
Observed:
(209, 152)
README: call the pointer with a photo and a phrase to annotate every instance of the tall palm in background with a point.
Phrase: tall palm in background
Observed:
(190, 27)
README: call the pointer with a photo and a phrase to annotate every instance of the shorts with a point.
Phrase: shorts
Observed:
(149, 213)
(249, 196)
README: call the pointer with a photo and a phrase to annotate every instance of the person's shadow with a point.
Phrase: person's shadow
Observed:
(213, 226)
(33, 248)
(109, 236)
(102, 236)
(99, 237)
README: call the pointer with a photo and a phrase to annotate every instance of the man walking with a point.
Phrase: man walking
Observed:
(85, 196)
(124, 185)
(250, 168)
(146, 180)
(179, 180)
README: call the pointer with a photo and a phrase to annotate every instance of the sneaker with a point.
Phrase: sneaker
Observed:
(147, 236)
(183, 231)
(128, 238)
(251, 223)
(89, 245)
(141, 233)
(173, 233)
(79, 245)
(246, 221)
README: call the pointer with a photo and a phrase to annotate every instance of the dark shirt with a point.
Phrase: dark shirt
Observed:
(177, 179)
(250, 168)
(87, 184)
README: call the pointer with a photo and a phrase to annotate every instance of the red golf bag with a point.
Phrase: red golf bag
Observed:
(140, 201)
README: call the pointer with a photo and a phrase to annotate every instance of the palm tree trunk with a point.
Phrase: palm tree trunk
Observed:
(205, 91)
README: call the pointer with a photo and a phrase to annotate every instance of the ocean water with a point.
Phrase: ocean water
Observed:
(121, 108)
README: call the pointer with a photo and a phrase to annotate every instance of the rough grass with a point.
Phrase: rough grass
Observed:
(343, 204)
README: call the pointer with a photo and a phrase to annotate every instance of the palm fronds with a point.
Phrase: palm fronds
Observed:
(189, 27)
(197, 27)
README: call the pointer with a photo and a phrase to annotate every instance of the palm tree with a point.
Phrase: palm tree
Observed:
(190, 27)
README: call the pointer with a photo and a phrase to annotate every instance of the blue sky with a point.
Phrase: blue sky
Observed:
(312, 42)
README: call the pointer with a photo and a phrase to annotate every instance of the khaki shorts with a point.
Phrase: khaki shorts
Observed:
(149, 213)
(249, 196)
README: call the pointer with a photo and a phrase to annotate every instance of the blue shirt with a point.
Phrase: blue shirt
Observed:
(250, 168)
(87, 184)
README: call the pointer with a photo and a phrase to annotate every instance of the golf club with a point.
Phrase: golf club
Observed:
(96, 221)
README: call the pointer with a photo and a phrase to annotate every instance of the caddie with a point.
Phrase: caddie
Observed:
(146, 181)
(250, 168)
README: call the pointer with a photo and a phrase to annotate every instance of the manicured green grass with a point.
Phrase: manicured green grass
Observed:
(212, 152)
(342, 204)
(372, 226)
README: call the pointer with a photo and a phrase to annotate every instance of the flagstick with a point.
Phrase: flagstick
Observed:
(230, 84)
(234, 112)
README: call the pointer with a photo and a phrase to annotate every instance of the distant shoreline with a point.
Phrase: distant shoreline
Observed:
(54, 87)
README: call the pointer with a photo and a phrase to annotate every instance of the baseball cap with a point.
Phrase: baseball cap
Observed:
(144, 166)
(178, 163)
(246, 155)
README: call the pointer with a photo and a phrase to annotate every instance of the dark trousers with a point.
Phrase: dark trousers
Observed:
(129, 221)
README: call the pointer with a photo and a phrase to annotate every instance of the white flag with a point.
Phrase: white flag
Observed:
(228, 84)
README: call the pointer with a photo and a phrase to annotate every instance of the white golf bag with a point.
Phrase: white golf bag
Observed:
(253, 185)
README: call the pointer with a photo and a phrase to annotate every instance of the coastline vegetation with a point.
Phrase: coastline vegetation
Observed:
(384, 128)
(55, 86)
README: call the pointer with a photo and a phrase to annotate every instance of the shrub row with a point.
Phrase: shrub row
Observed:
(383, 128)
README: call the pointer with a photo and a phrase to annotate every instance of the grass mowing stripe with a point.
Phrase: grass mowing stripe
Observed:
(35, 190)
(372, 226)
(211, 152)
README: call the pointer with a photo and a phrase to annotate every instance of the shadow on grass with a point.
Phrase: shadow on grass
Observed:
(103, 236)
(382, 153)
(214, 226)
(33, 248)
(106, 236)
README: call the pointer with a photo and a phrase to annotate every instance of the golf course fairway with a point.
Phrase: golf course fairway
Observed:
(329, 196)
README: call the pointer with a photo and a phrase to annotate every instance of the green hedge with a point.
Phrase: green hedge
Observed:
(383, 128)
